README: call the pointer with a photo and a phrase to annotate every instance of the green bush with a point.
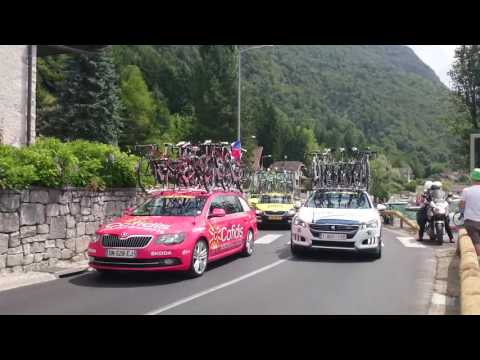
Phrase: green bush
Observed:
(52, 163)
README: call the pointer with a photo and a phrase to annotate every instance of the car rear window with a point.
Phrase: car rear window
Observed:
(171, 206)
(275, 199)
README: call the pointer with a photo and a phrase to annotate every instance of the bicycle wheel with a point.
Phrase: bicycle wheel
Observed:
(458, 219)
(146, 174)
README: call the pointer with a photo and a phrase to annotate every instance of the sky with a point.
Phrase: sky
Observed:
(438, 57)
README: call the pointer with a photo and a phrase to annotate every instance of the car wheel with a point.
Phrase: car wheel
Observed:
(249, 246)
(199, 259)
(378, 252)
(296, 250)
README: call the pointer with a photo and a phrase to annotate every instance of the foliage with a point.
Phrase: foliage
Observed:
(52, 163)
(465, 75)
(88, 102)
(294, 99)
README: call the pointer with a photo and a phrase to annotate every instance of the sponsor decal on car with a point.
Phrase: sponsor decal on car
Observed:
(220, 235)
(136, 224)
(161, 253)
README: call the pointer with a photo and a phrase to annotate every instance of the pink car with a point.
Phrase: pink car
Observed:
(176, 231)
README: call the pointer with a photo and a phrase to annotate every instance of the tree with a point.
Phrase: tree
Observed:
(466, 79)
(139, 107)
(89, 104)
(214, 93)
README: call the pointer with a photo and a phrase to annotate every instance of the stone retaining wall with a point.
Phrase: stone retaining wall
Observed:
(38, 227)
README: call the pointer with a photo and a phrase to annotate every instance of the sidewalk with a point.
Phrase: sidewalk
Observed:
(13, 280)
(446, 292)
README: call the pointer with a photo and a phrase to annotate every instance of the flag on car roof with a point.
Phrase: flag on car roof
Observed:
(236, 150)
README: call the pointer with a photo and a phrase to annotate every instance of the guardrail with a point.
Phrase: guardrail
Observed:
(469, 276)
(403, 219)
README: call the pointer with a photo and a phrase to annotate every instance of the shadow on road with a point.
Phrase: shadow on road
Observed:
(128, 279)
(326, 256)
(274, 227)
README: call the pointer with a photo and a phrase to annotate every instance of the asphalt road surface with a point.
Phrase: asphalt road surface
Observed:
(271, 282)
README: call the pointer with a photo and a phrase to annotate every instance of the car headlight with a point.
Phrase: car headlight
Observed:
(292, 212)
(373, 224)
(297, 221)
(170, 239)
(97, 238)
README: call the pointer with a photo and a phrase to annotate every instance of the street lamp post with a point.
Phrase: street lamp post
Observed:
(239, 105)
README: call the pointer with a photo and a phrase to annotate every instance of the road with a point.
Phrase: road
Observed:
(271, 282)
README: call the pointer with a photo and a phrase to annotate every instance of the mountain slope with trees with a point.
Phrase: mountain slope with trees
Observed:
(295, 99)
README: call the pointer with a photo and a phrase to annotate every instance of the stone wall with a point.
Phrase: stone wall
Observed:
(39, 227)
(14, 94)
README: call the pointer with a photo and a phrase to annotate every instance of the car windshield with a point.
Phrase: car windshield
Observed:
(339, 200)
(171, 206)
(275, 199)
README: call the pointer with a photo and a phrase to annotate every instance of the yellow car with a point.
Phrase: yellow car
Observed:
(275, 208)
(253, 200)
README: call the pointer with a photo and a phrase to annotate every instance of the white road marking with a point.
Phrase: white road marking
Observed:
(288, 243)
(410, 242)
(215, 288)
(267, 239)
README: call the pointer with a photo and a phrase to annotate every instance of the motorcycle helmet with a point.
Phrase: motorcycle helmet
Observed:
(428, 185)
(436, 185)
(475, 175)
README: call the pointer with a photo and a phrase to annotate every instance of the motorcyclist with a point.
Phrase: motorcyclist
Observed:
(422, 212)
(433, 192)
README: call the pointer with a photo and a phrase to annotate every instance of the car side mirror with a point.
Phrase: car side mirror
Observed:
(381, 207)
(217, 213)
(128, 211)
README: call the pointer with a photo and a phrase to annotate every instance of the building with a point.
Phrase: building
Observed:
(18, 65)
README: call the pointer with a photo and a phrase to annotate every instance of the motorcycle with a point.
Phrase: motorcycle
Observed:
(437, 215)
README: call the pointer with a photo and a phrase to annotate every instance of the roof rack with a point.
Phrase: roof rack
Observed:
(339, 188)
(192, 190)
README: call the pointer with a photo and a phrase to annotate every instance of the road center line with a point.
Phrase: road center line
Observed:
(268, 239)
(215, 288)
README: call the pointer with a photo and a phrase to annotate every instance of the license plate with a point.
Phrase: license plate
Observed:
(324, 236)
(275, 218)
(126, 254)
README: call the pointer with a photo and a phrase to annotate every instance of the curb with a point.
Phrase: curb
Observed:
(469, 276)
(59, 272)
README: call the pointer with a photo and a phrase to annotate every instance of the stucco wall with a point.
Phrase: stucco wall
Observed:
(14, 92)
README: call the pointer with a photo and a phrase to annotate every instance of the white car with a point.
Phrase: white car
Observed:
(338, 220)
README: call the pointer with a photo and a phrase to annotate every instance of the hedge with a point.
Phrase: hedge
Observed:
(55, 164)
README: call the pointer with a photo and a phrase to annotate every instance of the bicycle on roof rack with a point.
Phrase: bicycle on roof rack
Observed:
(341, 168)
(186, 165)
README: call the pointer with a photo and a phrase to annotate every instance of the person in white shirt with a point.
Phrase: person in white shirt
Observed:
(470, 205)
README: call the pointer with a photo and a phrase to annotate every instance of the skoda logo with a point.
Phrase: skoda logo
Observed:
(332, 227)
(123, 235)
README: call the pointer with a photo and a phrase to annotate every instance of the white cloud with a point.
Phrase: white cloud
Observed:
(439, 57)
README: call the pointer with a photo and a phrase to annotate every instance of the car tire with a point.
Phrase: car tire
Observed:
(378, 252)
(199, 260)
(249, 245)
(296, 250)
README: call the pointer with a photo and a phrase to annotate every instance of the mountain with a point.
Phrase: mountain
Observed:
(294, 98)
(383, 95)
